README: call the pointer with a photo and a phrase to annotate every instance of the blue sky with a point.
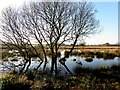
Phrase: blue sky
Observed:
(107, 15)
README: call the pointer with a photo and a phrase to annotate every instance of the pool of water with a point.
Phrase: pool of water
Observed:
(72, 62)
(95, 64)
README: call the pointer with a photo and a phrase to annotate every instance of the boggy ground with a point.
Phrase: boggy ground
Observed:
(85, 79)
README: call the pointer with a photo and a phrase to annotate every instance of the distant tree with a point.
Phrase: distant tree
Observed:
(51, 23)
(107, 44)
(82, 44)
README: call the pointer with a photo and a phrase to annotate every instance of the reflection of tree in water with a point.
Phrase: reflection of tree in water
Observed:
(62, 61)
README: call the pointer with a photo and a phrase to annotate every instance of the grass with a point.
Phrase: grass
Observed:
(107, 54)
(88, 54)
(86, 79)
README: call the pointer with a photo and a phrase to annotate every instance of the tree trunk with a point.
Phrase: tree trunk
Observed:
(56, 71)
(72, 46)
(52, 65)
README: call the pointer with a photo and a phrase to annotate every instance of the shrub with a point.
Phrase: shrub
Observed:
(10, 82)
(109, 55)
(7, 81)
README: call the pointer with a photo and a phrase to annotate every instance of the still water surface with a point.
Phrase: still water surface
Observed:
(72, 62)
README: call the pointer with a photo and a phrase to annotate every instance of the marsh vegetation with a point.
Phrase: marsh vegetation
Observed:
(89, 72)
(103, 79)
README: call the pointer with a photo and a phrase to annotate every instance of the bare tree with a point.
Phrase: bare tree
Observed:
(16, 37)
(53, 23)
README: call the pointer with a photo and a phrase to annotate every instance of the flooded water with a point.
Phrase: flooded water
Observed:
(72, 62)
(95, 64)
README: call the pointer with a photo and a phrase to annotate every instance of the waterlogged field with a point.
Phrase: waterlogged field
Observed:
(72, 62)
(90, 57)
(95, 68)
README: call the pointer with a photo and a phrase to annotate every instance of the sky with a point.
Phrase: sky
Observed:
(107, 14)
